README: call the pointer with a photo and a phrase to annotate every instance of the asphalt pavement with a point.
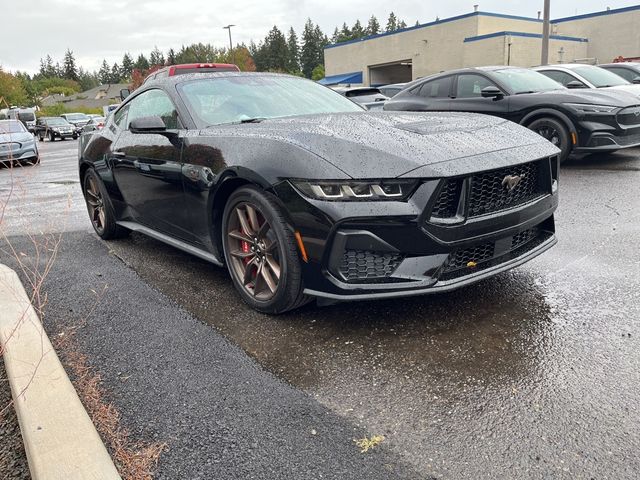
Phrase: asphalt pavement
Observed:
(532, 374)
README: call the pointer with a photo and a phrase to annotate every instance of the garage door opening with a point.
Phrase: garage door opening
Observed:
(397, 72)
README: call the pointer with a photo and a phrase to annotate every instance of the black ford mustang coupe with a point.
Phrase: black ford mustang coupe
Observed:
(301, 193)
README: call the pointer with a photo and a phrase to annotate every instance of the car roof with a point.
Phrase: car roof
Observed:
(620, 64)
(175, 79)
(568, 66)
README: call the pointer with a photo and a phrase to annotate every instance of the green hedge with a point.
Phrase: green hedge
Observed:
(59, 109)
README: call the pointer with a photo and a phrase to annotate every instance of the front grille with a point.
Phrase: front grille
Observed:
(629, 117)
(489, 191)
(446, 205)
(524, 237)
(462, 258)
(487, 255)
(367, 265)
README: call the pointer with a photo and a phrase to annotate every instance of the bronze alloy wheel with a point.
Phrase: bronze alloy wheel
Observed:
(254, 252)
(95, 203)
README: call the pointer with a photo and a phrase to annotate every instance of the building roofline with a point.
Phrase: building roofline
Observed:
(597, 14)
(524, 34)
(486, 14)
(430, 24)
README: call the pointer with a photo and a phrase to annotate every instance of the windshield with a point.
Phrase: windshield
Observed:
(11, 127)
(233, 99)
(77, 117)
(521, 80)
(26, 116)
(600, 77)
(56, 121)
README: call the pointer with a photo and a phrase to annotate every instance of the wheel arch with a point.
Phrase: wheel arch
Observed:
(556, 115)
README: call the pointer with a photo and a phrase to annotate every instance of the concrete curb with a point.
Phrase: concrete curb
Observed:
(60, 440)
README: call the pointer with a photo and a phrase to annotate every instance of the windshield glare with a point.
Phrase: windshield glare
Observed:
(11, 127)
(521, 80)
(600, 77)
(216, 101)
(57, 121)
(77, 117)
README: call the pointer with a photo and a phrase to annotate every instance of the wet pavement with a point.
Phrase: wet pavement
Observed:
(532, 374)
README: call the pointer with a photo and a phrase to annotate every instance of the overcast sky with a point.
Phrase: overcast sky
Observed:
(94, 30)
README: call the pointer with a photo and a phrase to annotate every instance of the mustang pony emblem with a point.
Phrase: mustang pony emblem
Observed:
(511, 181)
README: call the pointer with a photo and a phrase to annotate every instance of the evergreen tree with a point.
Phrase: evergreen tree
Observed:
(70, 71)
(127, 66)
(417, 23)
(141, 63)
(293, 52)
(171, 57)
(312, 52)
(335, 37)
(357, 31)
(275, 51)
(104, 74)
(401, 24)
(392, 23)
(156, 57)
(345, 33)
(115, 74)
(373, 27)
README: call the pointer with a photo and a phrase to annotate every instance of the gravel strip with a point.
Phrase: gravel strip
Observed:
(177, 380)
(13, 461)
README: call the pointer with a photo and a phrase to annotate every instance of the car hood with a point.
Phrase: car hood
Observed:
(393, 144)
(598, 96)
(21, 137)
(631, 88)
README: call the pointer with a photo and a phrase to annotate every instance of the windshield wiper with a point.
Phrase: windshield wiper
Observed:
(252, 120)
(526, 91)
(244, 120)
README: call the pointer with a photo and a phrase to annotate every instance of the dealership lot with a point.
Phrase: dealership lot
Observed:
(534, 373)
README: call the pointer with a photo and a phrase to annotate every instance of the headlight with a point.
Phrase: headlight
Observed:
(344, 190)
(587, 108)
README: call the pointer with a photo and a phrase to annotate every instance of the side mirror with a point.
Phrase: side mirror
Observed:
(151, 124)
(636, 80)
(124, 93)
(575, 84)
(492, 92)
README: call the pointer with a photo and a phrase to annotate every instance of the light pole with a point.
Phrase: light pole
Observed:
(233, 55)
(545, 34)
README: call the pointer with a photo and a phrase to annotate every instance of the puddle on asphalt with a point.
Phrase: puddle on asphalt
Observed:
(494, 330)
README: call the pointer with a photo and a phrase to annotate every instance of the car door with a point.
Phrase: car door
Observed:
(467, 96)
(432, 95)
(147, 166)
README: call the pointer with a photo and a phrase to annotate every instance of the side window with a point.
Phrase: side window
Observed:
(153, 102)
(120, 117)
(438, 88)
(471, 85)
(624, 73)
(560, 77)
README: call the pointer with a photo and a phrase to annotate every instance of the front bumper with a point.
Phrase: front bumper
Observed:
(365, 250)
(23, 153)
(604, 142)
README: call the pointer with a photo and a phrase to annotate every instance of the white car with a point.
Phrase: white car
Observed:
(578, 75)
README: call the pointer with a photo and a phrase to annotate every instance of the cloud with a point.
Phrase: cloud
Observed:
(96, 30)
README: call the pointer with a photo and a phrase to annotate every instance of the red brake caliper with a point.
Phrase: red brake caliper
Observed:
(246, 248)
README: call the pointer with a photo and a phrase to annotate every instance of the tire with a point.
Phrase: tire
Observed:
(554, 131)
(274, 255)
(75, 137)
(52, 137)
(41, 137)
(99, 207)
